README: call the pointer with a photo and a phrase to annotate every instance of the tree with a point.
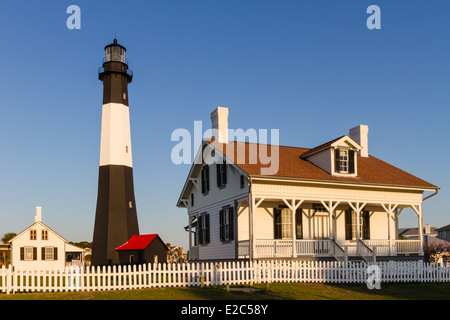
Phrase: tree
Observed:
(5, 254)
(7, 237)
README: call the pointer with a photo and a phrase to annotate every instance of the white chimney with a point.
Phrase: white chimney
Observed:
(360, 135)
(38, 216)
(427, 229)
(219, 120)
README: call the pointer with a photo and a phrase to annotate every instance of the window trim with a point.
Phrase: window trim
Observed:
(26, 255)
(350, 226)
(344, 167)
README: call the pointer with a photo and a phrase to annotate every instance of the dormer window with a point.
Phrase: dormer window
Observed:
(344, 161)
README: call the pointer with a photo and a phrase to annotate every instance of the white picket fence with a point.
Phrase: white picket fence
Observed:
(209, 274)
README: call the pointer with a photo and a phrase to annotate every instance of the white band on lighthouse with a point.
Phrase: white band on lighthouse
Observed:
(115, 144)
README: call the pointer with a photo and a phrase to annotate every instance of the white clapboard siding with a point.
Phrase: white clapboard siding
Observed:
(210, 274)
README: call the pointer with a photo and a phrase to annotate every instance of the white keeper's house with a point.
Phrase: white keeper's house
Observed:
(334, 201)
(38, 247)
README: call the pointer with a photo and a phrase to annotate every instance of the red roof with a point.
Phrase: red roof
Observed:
(139, 242)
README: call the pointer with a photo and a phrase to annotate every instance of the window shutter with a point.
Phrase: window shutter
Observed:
(34, 253)
(299, 224)
(22, 253)
(351, 161)
(337, 167)
(231, 211)
(207, 178)
(55, 253)
(277, 220)
(221, 218)
(224, 173)
(366, 225)
(207, 228)
(348, 225)
(218, 174)
(203, 181)
(200, 229)
(43, 254)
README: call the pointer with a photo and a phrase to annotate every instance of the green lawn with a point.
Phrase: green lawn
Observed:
(276, 291)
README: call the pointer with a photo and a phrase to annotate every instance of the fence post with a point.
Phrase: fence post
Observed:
(8, 280)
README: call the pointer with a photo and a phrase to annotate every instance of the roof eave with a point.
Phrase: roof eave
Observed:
(344, 183)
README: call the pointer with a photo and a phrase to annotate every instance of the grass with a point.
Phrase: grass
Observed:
(275, 291)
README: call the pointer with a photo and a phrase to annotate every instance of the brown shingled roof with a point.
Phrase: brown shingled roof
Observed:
(371, 170)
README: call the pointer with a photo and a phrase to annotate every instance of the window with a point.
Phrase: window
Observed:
(350, 225)
(192, 199)
(33, 234)
(205, 180)
(28, 253)
(221, 174)
(299, 224)
(226, 224)
(344, 161)
(44, 235)
(203, 232)
(242, 182)
(283, 223)
(49, 253)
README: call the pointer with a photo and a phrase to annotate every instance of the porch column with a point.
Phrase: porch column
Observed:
(418, 211)
(357, 208)
(252, 208)
(390, 210)
(190, 232)
(293, 205)
(237, 207)
(330, 208)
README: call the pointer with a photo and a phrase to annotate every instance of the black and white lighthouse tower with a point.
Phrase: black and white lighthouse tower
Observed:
(116, 217)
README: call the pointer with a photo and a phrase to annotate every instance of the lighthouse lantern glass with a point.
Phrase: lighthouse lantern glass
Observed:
(115, 53)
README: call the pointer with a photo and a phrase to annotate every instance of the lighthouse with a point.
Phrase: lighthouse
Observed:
(116, 217)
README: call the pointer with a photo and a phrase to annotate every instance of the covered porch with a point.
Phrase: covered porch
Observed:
(288, 227)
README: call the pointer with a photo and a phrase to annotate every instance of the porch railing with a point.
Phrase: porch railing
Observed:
(366, 253)
(391, 247)
(323, 248)
(338, 252)
(273, 248)
(314, 248)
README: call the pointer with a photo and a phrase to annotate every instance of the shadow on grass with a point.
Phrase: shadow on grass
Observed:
(400, 291)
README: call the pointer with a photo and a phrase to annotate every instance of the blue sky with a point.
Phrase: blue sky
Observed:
(309, 68)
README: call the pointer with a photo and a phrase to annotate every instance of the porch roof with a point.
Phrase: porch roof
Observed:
(371, 170)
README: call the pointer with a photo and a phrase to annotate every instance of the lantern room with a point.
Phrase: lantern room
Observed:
(115, 52)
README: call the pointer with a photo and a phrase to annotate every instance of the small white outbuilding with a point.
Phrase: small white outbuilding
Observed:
(38, 247)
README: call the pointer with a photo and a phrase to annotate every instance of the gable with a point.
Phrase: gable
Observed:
(39, 226)
(194, 179)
